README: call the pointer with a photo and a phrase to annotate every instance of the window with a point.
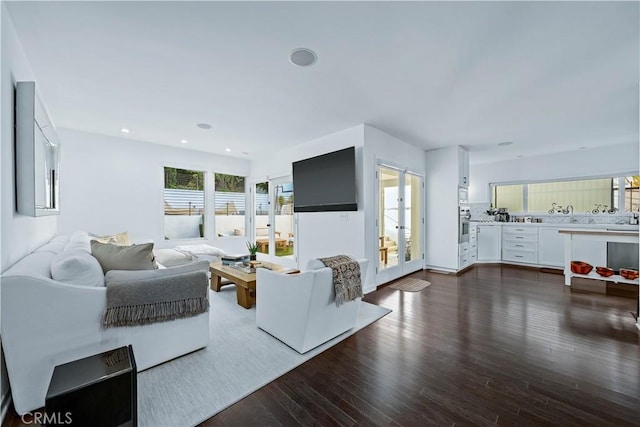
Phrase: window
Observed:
(229, 200)
(184, 203)
(508, 196)
(631, 193)
(583, 195)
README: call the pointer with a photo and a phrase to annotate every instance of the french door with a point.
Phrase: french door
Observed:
(274, 225)
(399, 222)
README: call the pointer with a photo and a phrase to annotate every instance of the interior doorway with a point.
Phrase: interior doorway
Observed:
(399, 222)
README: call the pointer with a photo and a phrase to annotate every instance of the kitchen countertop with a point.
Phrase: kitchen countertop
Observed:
(621, 227)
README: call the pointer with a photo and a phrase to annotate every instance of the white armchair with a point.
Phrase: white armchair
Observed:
(299, 309)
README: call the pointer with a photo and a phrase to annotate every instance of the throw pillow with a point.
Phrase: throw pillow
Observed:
(115, 257)
(78, 240)
(77, 267)
(121, 239)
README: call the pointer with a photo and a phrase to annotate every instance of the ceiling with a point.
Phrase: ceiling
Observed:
(548, 76)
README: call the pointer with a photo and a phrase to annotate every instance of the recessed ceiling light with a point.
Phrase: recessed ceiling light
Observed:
(504, 144)
(519, 155)
(125, 130)
(204, 125)
(582, 148)
(228, 150)
(303, 57)
(245, 152)
(184, 141)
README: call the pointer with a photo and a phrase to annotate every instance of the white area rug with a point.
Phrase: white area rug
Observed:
(239, 359)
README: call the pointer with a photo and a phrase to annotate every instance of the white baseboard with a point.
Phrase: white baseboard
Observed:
(6, 402)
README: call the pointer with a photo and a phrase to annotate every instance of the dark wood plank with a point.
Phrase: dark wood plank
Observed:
(494, 345)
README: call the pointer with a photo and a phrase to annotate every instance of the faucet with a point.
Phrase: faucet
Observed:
(572, 220)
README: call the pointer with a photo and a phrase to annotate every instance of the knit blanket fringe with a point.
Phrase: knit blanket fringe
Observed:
(346, 278)
(143, 314)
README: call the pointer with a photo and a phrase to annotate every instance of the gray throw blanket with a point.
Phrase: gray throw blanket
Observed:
(143, 297)
(346, 278)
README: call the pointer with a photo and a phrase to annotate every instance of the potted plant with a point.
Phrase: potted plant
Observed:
(253, 249)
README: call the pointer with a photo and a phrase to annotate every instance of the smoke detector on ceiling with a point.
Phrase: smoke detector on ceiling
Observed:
(303, 57)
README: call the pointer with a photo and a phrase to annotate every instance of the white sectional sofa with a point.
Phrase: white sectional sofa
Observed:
(299, 309)
(47, 323)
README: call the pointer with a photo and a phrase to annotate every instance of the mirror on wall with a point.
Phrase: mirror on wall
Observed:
(37, 155)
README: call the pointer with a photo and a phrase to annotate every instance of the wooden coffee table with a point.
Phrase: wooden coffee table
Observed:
(245, 282)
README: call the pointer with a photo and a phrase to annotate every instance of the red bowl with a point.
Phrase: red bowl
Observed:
(628, 273)
(604, 271)
(581, 267)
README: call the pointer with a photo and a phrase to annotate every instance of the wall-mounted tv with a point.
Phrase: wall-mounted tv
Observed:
(326, 183)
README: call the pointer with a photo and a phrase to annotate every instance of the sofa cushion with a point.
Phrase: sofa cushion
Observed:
(121, 276)
(115, 257)
(172, 257)
(77, 267)
(121, 239)
(315, 264)
(55, 245)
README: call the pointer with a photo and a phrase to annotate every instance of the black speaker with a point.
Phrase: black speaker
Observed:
(97, 391)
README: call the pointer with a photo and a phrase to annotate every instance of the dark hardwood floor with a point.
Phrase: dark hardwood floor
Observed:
(496, 345)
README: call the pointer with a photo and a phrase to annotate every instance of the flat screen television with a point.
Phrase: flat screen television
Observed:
(326, 183)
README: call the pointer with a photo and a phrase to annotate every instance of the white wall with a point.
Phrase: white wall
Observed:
(384, 147)
(19, 234)
(603, 161)
(322, 234)
(110, 185)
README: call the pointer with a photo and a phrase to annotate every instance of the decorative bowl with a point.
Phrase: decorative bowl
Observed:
(604, 271)
(581, 267)
(629, 273)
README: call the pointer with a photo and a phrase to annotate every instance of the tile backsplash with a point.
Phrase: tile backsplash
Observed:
(478, 213)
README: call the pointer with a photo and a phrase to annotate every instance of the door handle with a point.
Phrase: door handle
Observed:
(268, 225)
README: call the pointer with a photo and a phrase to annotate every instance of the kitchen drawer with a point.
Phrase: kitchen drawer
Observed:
(520, 245)
(520, 256)
(463, 261)
(520, 231)
(473, 258)
(463, 249)
(473, 236)
(473, 248)
(522, 237)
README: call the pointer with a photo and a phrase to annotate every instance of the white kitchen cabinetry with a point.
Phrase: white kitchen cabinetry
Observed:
(489, 243)
(442, 176)
(520, 244)
(473, 244)
(463, 167)
(550, 247)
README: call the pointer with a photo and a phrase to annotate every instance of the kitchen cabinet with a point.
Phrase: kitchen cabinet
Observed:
(520, 244)
(442, 209)
(550, 247)
(489, 242)
(463, 167)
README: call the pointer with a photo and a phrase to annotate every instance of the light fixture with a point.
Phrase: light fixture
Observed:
(519, 155)
(125, 130)
(228, 150)
(582, 148)
(245, 152)
(504, 144)
(303, 57)
(184, 141)
(204, 125)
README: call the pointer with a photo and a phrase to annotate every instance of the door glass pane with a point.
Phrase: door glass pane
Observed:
(284, 231)
(262, 217)
(183, 203)
(412, 218)
(388, 226)
(229, 200)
